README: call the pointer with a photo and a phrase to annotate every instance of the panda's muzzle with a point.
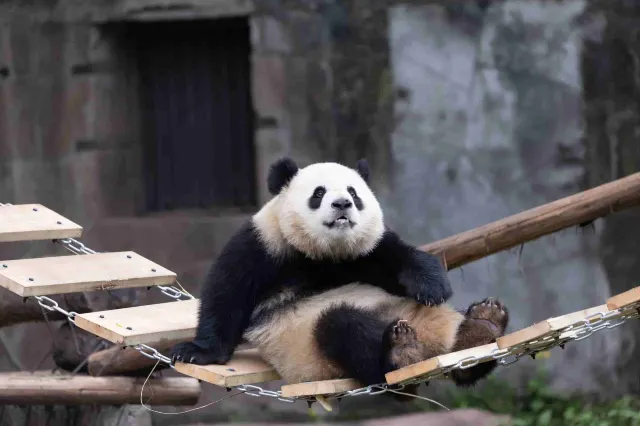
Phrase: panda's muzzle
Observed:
(342, 204)
(341, 208)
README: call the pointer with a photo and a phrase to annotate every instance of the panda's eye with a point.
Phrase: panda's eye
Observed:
(319, 192)
(352, 191)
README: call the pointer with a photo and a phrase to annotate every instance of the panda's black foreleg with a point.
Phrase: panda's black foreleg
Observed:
(484, 322)
(366, 346)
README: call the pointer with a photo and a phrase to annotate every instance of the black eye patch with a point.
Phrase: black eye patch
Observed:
(316, 198)
(356, 200)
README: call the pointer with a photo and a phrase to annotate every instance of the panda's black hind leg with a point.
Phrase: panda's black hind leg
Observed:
(352, 338)
(366, 346)
(484, 322)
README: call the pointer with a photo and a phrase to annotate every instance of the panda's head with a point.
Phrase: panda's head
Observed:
(324, 210)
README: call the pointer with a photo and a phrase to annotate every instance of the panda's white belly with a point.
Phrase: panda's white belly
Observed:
(287, 340)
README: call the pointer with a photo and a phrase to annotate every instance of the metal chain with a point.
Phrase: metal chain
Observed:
(152, 353)
(76, 247)
(51, 305)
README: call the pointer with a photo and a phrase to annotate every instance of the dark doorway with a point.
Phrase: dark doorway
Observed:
(195, 81)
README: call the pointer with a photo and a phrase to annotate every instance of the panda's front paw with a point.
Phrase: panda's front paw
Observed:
(425, 280)
(192, 353)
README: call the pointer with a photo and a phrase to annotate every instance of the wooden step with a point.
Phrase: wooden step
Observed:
(548, 327)
(149, 324)
(78, 273)
(31, 222)
(323, 387)
(432, 365)
(625, 300)
(246, 367)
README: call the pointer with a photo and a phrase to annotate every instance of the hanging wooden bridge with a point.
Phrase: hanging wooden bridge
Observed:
(142, 335)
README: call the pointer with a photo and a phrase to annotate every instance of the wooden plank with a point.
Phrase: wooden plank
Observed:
(69, 274)
(246, 367)
(622, 300)
(43, 388)
(31, 222)
(547, 327)
(149, 324)
(433, 364)
(324, 387)
(529, 225)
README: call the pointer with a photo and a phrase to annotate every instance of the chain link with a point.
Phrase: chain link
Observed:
(51, 305)
(152, 353)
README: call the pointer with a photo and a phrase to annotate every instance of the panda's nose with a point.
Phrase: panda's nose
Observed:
(341, 204)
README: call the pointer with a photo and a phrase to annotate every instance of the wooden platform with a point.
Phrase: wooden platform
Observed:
(31, 222)
(246, 367)
(70, 274)
(147, 324)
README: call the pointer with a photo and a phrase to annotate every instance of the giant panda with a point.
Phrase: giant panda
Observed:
(324, 290)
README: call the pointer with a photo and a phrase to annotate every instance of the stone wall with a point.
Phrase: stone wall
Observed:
(491, 124)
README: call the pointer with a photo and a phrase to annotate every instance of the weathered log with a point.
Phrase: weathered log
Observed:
(15, 312)
(117, 360)
(43, 388)
(531, 224)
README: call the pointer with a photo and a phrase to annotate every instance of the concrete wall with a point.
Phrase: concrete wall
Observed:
(491, 126)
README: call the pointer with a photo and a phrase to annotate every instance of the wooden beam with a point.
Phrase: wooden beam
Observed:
(529, 225)
(148, 324)
(43, 388)
(69, 274)
(31, 222)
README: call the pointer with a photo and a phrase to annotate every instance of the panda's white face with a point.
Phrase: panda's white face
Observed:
(328, 210)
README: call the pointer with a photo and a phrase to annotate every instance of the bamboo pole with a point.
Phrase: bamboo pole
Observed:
(43, 388)
(529, 225)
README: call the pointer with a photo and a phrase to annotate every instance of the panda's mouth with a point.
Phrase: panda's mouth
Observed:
(340, 222)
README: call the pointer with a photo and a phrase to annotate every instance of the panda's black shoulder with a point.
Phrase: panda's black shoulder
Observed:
(245, 242)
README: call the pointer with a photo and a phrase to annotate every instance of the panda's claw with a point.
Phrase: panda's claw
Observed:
(196, 354)
(425, 279)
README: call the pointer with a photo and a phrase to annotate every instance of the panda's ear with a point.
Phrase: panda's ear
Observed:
(280, 174)
(362, 166)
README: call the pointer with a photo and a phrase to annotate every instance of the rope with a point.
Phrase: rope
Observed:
(418, 397)
(182, 412)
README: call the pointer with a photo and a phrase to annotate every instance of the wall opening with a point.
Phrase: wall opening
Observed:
(197, 113)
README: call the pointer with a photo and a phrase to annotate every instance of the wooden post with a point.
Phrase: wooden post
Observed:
(43, 388)
(529, 225)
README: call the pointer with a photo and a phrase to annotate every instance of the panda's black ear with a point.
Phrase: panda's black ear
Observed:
(280, 174)
(362, 166)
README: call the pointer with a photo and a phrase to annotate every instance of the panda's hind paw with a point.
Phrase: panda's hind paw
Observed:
(491, 310)
(403, 346)
(191, 353)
